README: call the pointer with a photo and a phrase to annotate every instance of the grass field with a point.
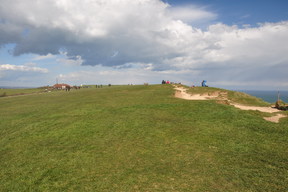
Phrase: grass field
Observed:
(137, 138)
(11, 92)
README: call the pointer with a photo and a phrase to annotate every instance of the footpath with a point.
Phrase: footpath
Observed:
(181, 92)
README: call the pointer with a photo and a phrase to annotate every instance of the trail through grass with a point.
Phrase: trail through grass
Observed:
(137, 138)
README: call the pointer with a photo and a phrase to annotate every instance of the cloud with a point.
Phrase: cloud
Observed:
(44, 57)
(259, 47)
(147, 34)
(192, 14)
(70, 60)
(138, 31)
(22, 75)
(123, 76)
(92, 29)
(23, 68)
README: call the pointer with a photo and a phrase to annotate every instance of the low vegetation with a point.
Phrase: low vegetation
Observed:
(233, 96)
(137, 138)
(281, 105)
(15, 92)
(246, 99)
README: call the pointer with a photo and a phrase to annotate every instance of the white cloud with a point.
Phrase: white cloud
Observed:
(191, 14)
(43, 57)
(262, 46)
(23, 68)
(113, 33)
(147, 34)
(22, 75)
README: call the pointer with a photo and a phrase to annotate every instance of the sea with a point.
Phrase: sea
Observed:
(268, 96)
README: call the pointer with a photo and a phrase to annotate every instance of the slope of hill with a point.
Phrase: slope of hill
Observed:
(236, 99)
(137, 138)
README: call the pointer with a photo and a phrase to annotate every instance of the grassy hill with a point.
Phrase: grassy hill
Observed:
(233, 96)
(137, 138)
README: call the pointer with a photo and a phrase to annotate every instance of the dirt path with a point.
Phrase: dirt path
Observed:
(262, 109)
(275, 118)
(181, 92)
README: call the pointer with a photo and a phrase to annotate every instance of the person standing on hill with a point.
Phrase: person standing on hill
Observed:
(204, 83)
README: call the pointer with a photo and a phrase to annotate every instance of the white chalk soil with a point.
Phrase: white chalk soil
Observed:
(181, 92)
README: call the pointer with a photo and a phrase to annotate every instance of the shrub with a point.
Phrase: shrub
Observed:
(3, 95)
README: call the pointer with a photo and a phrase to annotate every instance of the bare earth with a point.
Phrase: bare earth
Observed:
(181, 92)
(262, 109)
(275, 118)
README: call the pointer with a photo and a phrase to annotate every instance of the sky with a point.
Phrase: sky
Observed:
(233, 44)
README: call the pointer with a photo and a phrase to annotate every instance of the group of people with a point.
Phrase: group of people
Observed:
(165, 82)
(168, 82)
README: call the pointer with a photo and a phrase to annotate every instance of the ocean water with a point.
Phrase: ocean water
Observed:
(268, 96)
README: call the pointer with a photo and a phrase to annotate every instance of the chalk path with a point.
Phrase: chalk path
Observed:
(181, 92)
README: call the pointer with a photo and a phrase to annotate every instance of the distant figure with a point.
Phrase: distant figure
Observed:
(204, 83)
(163, 82)
(67, 88)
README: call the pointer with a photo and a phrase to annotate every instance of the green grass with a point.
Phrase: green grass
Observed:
(246, 99)
(137, 138)
(234, 96)
(13, 92)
